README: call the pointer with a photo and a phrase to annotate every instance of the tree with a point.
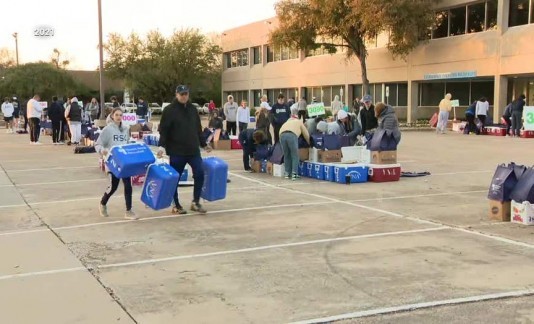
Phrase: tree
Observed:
(154, 66)
(42, 78)
(334, 24)
(7, 59)
(56, 60)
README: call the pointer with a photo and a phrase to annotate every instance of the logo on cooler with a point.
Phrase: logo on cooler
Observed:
(151, 188)
(517, 214)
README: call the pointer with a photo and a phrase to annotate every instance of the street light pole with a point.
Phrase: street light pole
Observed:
(101, 69)
(16, 36)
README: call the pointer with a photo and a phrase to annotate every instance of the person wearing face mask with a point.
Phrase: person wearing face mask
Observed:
(387, 120)
(367, 115)
(230, 111)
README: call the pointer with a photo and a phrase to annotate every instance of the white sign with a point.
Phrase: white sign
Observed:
(129, 119)
(387, 92)
(455, 103)
(43, 104)
(316, 109)
(528, 116)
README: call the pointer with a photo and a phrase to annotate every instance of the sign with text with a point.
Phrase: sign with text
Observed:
(44, 104)
(528, 116)
(316, 109)
(451, 75)
(455, 103)
(129, 119)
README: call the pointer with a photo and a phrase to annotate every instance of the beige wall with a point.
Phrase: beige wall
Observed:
(495, 53)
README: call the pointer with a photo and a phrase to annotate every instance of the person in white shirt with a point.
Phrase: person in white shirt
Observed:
(481, 110)
(243, 116)
(34, 111)
(337, 105)
(265, 103)
(7, 111)
(230, 111)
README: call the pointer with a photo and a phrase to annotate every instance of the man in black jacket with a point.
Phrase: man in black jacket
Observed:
(280, 113)
(142, 108)
(56, 113)
(367, 115)
(180, 137)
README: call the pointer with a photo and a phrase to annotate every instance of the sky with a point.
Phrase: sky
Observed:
(75, 23)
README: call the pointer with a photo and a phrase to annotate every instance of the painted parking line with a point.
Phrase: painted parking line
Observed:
(50, 169)
(53, 183)
(397, 215)
(268, 247)
(422, 196)
(41, 273)
(412, 307)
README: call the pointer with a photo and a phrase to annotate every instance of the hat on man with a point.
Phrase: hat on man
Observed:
(182, 89)
(367, 98)
(342, 114)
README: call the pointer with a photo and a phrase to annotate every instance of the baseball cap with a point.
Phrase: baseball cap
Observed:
(367, 98)
(182, 89)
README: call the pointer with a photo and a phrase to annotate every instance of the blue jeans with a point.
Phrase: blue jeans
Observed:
(443, 119)
(290, 147)
(196, 163)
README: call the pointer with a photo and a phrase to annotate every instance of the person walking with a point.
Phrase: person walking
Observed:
(114, 134)
(337, 105)
(230, 112)
(290, 132)
(7, 111)
(180, 137)
(303, 109)
(73, 113)
(482, 109)
(280, 113)
(34, 111)
(445, 106)
(517, 115)
(243, 116)
(56, 115)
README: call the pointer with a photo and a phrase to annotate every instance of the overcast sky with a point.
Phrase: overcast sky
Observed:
(75, 22)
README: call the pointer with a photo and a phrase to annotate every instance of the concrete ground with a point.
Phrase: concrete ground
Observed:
(274, 251)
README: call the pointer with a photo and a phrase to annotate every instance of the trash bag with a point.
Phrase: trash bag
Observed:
(524, 189)
(383, 140)
(276, 154)
(503, 183)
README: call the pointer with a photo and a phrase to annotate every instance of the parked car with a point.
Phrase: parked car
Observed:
(155, 108)
(205, 108)
(129, 107)
(200, 109)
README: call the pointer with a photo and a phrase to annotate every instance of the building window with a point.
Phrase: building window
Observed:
(476, 18)
(458, 18)
(257, 97)
(270, 54)
(519, 11)
(466, 92)
(281, 53)
(481, 89)
(460, 91)
(391, 94)
(257, 54)
(491, 15)
(236, 58)
(402, 95)
(442, 25)
(431, 93)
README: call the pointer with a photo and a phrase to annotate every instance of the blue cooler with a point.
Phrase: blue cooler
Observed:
(215, 176)
(129, 160)
(303, 169)
(160, 185)
(358, 173)
(318, 172)
(309, 170)
(329, 173)
(318, 141)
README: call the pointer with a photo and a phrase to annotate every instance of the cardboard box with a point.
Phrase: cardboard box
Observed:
(522, 213)
(304, 154)
(500, 211)
(384, 157)
(270, 168)
(222, 145)
(332, 156)
(259, 166)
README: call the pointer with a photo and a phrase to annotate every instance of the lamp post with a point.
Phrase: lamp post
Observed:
(16, 36)
(101, 69)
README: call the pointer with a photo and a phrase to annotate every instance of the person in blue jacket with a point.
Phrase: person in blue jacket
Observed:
(470, 116)
(280, 113)
(250, 139)
(517, 115)
(142, 108)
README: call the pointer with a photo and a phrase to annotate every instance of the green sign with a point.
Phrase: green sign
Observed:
(316, 109)
(528, 116)
(455, 103)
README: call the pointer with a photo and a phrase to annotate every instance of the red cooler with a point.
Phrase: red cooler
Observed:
(235, 144)
(527, 134)
(496, 131)
(384, 172)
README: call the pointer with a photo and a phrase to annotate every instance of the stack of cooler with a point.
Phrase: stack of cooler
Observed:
(502, 189)
(383, 167)
(151, 139)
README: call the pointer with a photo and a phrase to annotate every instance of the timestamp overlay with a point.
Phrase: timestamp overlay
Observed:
(43, 32)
